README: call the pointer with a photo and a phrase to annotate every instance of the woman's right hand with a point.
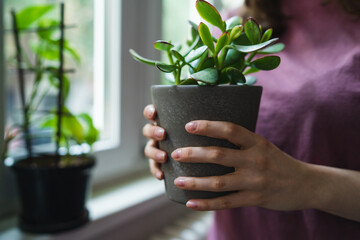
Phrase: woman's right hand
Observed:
(155, 134)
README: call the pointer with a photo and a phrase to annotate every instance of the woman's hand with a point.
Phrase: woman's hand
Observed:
(264, 175)
(154, 133)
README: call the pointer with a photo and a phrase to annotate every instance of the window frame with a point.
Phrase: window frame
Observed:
(131, 94)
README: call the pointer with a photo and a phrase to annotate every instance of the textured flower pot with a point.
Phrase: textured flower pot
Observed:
(52, 198)
(178, 105)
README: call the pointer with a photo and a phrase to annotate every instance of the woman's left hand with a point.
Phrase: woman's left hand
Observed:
(264, 175)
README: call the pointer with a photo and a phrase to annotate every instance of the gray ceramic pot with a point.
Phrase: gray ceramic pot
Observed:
(178, 105)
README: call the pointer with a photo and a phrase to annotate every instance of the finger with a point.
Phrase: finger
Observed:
(223, 156)
(155, 169)
(154, 153)
(154, 132)
(235, 134)
(150, 112)
(222, 183)
(234, 200)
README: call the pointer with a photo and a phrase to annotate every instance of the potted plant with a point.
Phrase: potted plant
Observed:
(53, 183)
(212, 82)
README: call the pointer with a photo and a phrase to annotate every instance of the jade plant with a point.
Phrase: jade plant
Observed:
(228, 59)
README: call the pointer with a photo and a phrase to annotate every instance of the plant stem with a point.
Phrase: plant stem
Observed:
(20, 69)
(60, 95)
(248, 60)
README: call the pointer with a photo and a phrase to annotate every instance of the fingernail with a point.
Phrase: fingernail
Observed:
(180, 182)
(159, 175)
(191, 126)
(160, 156)
(176, 154)
(191, 204)
(151, 111)
(159, 132)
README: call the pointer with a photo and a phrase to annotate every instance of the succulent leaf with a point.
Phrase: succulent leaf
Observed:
(139, 58)
(163, 45)
(206, 37)
(252, 31)
(221, 42)
(177, 55)
(165, 67)
(232, 22)
(208, 76)
(210, 14)
(267, 35)
(252, 48)
(250, 80)
(195, 54)
(266, 63)
(235, 76)
(251, 70)
(278, 47)
(236, 32)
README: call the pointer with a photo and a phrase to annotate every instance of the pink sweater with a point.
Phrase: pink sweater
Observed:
(311, 110)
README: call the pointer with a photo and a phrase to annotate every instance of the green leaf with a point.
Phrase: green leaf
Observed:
(232, 22)
(163, 45)
(49, 25)
(177, 55)
(139, 58)
(208, 76)
(267, 35)
(222, 41)
(195, 54)
(278, 47)
(235, 76)
(49, 49)
(266, 63)
(70, 50)
(250, 80)
(165, 67)
(54, 81)
(210, 14)
(252, 31)
(206, 36)
(189, 81)
(31, 14)
(90, 131)
(251, 70)
(252, 48)
(193, 25)
(236, 32)
(233, 57)
(208, 63)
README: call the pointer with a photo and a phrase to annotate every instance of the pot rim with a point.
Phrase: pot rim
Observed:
(88, 164)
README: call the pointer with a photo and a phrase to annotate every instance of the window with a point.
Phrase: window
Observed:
(110, 85)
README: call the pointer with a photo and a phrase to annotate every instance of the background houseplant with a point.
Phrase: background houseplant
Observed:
(227, 61)
(53, 183)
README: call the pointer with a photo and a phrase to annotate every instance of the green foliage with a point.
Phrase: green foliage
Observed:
(211, 61)
(45, 49)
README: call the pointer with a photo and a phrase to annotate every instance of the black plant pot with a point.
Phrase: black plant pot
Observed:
(52, 198)
(178, 105)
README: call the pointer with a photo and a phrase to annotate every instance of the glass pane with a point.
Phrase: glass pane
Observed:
(78, 60)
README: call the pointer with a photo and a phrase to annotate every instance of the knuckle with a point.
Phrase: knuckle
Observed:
(216, 153)
(218, 183)
(191, 183)
(229, 129)
(225, 203)
(260, 182)
(187, 153)
(203, 126)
